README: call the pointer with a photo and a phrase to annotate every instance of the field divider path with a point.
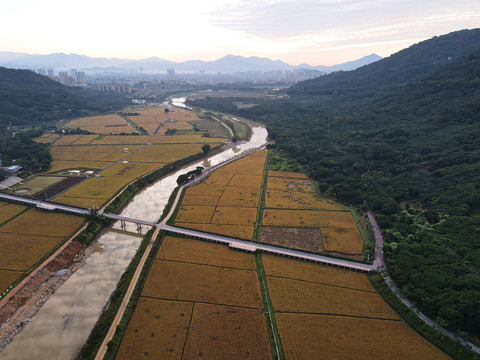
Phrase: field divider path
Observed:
(133, 283)
(275, 344)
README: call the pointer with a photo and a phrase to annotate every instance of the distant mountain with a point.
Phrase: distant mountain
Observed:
(348, 66)
(226, 64)
(401, 67)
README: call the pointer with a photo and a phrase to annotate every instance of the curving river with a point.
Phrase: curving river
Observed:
(62, 325)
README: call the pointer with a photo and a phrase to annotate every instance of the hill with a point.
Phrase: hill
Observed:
(401, 67)
(29, 99)
(407, 142)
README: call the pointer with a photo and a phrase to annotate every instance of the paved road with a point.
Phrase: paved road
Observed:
(379, 262)
(379, 241)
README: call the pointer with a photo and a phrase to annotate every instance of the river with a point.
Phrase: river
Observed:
(62, 325)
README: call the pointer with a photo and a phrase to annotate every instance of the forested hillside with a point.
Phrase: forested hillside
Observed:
(27, 98)
(402, 134)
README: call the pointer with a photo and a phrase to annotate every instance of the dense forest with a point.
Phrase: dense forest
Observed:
(28, 99)
(403, 136)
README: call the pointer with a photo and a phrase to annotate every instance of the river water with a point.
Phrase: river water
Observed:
(62, 325)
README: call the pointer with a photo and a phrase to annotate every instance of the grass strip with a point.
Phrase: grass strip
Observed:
(441, 341)
(103, 323)
(261, 202)
(171, 221)
(275, 342)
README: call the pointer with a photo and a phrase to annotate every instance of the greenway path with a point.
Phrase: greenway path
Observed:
(233, 243)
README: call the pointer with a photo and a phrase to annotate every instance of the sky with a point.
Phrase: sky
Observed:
(316, 32)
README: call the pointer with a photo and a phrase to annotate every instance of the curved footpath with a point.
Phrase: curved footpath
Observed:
(380, 263)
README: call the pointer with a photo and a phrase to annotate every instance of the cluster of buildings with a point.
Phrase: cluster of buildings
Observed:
(68, 78)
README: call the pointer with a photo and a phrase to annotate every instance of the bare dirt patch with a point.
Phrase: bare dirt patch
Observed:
(18, 311)
(298, 238)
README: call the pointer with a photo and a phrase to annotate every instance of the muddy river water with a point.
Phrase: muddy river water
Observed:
(62, 325)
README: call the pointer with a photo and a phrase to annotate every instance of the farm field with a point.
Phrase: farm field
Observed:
(46, 138)
(35, 184)
(165, 153)
(89, 153)
(105, 124)
(295, 216)
(60, 166)
(35, 222)
(200, 297)
(8, 211)
(189, 138)
(304, 336)
(336, 312)
(152, 118)
(226, 202)
(121, 140)
(96, 189)
(28, 237)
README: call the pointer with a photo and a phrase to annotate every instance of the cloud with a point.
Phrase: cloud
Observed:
(282, 19)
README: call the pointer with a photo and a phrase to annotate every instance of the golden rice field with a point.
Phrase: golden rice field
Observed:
(98, 189)
(59, 165)
(225, 332)
(7, 211)
(89, 153)
(345, 241)
(244, 197)
(283, 183)
(246, 180)
(46, 138)
(226, 202)
(193, 138)
(309, 218)
(205, 189)
(130, 170)
(105, 124)
(287, 174)
(41, 223)
(21, 251)
(317, 273)
(199, 200)
(234, 215)
(122, 140)
(75, 140)
(157, 330)
(151, 119)
(290, 199)
(201, 283)
(219, 178)
(7, 278)
(166, 153)
(237, 231)
(202, 252)
(290, 295)
(195, 214)
(304, 336)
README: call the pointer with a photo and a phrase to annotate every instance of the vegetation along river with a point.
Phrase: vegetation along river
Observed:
(62, 325)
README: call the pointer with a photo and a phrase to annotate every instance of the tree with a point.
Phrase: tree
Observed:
(3, 174)
(206, 149)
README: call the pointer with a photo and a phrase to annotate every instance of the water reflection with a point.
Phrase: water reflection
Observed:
(63, 324)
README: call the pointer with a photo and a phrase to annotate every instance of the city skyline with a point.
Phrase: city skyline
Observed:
(325, 32)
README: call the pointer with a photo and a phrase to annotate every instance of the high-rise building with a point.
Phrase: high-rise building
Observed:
(80, 77)
(50, 72)
(170, 72)
(63, 77)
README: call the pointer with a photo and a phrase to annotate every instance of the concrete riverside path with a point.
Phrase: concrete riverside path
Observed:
(133, 283)
(379, 263)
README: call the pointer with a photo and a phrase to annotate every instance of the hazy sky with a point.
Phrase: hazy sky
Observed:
(318, 32)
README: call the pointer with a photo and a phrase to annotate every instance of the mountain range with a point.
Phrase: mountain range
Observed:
(226, 64)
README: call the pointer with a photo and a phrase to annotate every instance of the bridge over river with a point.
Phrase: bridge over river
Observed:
(233, 243)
